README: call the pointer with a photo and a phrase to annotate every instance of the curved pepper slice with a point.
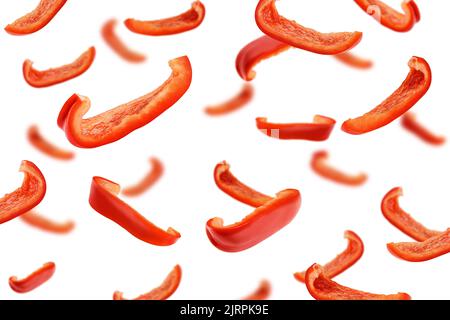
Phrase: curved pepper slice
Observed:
(321, 287)
(40, 143)
(117, 45)
(422, 251)
(390, 18)
(409, 122)
(240, 100)
(186, 21)
(38, 221)
(34, 280)
(291, 33)
(262, 293)
(163, 292)
(354, 61)
(148, 181)
(320, 166)
(402, 220)
(36, 19)
(116, 123)
(319, 130)
(229, 184)
(404, 98)
(344, 260)
(103, 199)
(26, 197)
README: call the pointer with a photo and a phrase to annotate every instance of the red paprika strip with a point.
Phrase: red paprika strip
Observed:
(409, 122)
(291, 33)
(117, 45)
(148, 181)
(390, 18)
(116, 123)
(320, 166)
(422, 251)
(34, 280)
(163, 292)
(237, 102)
(321, 287)
(262, 293)
(103, 199)
(344, 260)
(319, 130)
(354, 61)
(26, 197)
(40, 143)
(186, 21)
(40, 222)
(404, 98)
(402, 220)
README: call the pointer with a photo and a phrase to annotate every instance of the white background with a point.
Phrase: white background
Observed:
(99, 257)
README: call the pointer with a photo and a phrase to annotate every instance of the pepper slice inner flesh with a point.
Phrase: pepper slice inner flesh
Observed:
(34, 280)
(39, 142)
(148, 181)
(40, 222)
(244, 96)
(410, 123)
(262, 293)
(354, 61)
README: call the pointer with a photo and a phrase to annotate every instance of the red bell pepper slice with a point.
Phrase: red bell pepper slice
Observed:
(319, 130)
(404, 98)
(256, 51)
(148, 181)
(116, 123)
(321, 287)
(163, 292)
(117, 45)
(39, 142)
(344, 260)
(320, 166)
(103, 199)
(229, 184)
(244, 96)
(40, 222)
(36, 19)
(186, 21)
(26, 197)
(34, 280)
(409, 122)
(354, 61)
(291, 33)
(262, 293)
(402, 220)
(390, 18)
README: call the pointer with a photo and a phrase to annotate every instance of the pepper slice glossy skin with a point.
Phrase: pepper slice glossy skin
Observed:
(148, 181)
(422, 251)
(291, 33)
(117, 45)
(344, 260)
(186, 21)
(402, 220)
(256, 227)
(26, 197)
(103, 199)
(404, 98)
(34, 280)
(253, 53)
(320, 166)
(163, 292)
(354, 61)
(319, 130)
(36, 19)
(40, 222)
(118, 122)
(262, 293)
(244, 96)
(410, 123)
(390, 18)
(39, 142)
(321, 287)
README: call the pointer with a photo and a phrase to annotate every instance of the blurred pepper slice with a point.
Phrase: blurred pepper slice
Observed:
(39, 142)
(244, 96)
(410, 123)
(354, 61)
(148, 181)
(262, 293)
(40, 222)
(34, 280)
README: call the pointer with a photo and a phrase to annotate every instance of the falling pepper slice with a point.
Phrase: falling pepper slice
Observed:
(163, 292)
(36, 19)
(409, 122)
(148, 181)
(319, 130)
(186, 21)
(103, 199)
(404, 98)
(262, 293)
(34, 280)
(40, 143)
(344, 260)
(291, 33)
(354, 61)
(237, 102)
(116, 123)
(38, 221)
(321, 287)
(26, 197)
